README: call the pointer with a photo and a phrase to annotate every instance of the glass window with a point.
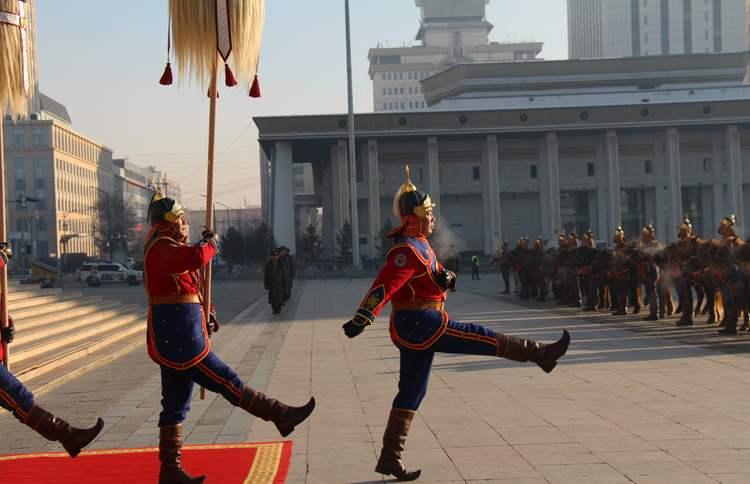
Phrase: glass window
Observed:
(41, 224)
(533, 171)
(37, 137)
(400, 76)
(590, 169)
(384, 91)
(18, 138)
(647, 168)
(475, 172)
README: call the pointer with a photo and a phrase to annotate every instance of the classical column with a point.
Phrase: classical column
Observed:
(602, 192)
(662, 194)
(612, 159)
(373, 194)
(265, 186)
(734, 159)
(717, 186)
(491, 195)
(675, 184)
(433, 172)
(553, 181)
(283, 195)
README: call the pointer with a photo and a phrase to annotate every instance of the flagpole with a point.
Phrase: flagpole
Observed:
(356, 262)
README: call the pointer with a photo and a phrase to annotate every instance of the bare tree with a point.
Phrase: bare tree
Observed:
(115, 220)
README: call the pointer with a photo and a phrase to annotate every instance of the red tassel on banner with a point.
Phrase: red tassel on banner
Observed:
(208, 93)
(166, 78)
(229, 79)
(255, 88)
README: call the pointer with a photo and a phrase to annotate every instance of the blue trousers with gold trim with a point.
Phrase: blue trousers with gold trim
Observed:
(14, 396)
(458, 338)
(177, 387)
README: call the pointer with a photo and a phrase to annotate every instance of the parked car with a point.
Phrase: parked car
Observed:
(94, 274)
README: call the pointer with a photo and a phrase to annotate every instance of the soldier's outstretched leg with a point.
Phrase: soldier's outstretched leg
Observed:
(15, 397)
(213, 374)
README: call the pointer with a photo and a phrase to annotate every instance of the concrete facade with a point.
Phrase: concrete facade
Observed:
(539, 161)
(48, 160)
(623, 28)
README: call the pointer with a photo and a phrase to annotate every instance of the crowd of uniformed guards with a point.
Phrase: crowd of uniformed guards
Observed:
(690, 278)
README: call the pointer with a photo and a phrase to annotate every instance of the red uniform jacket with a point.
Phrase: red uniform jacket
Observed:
(409, 273)
(177, 335)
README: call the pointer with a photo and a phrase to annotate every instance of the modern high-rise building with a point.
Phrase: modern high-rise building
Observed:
(625, 28)
(450, 32)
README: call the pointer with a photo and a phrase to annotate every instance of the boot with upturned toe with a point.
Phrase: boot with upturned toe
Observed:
(170, 446)
(522, 350)
(285, 417)
(394, 438)
(56, 429)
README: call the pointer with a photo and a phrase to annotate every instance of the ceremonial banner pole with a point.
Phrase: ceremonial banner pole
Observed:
(4, 270)
(210, 193)
(17, 81)
(200, 33)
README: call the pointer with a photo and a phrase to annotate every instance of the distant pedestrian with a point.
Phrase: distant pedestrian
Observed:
(274, 280)
(475, 267)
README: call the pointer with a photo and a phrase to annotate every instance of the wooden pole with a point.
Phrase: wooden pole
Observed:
(210, 191)
(4, 270)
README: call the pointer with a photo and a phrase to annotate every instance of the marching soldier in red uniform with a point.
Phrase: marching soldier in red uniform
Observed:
(687, 242)
(178, 337)
(728, 271)
(16, 398)
(416, 284)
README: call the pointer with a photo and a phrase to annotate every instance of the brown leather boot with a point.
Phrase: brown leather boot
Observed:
(57, 429)
(522, 350)
(171, 471)
(283, 416)
(394, 439)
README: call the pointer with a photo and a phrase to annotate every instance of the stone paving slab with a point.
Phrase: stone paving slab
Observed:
(625, 405)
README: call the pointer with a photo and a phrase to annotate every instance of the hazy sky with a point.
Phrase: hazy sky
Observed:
(103, 60)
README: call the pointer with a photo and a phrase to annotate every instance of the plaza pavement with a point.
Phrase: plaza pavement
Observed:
(629, 403)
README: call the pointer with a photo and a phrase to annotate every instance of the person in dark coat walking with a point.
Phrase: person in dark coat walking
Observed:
(275, 281)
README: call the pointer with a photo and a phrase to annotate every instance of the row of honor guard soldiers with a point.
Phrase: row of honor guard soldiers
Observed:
(689, 277)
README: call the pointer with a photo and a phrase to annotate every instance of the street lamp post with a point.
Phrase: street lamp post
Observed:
(356, 263)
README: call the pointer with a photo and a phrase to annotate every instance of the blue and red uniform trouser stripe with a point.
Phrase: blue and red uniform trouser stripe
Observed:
(177, 387)
(458, 338)
(14, 396)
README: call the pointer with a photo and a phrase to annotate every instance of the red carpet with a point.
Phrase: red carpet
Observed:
(256, 463)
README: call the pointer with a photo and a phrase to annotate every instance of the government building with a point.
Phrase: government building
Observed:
(509, 149)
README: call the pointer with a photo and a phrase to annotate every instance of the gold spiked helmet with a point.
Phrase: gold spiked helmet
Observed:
(686, 224)
(163, 208)
(729, 221)
(409, 200)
